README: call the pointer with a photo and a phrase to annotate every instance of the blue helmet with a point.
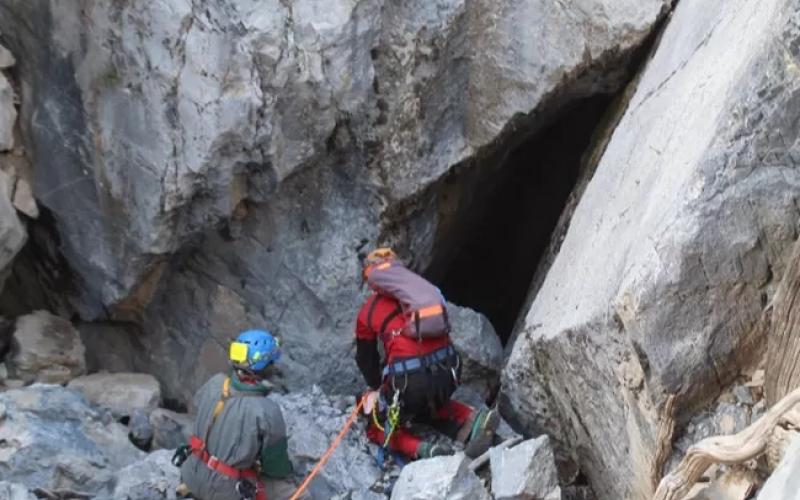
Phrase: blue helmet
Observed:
(254, 350)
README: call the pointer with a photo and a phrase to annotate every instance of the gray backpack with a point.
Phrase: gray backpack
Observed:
(422, 304)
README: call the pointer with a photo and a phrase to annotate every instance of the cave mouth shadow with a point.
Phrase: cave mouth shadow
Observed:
(507, 212)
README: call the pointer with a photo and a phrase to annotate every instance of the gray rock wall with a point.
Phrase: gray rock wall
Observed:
(674, 248)
(216, 164)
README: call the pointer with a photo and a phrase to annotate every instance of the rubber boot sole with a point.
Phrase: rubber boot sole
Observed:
(478, 445)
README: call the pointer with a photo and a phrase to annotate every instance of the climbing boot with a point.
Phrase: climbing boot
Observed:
(428, 449)
(482, 433)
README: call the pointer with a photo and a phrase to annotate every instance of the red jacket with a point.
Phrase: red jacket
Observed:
(395, 346)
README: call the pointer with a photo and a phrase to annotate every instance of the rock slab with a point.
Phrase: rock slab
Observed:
(676, 245)
(525, 471)
(122, 393)
(439, 478)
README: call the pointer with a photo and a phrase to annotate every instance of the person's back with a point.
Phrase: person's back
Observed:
(421, 368)
(239, 446)
(378, 319)
(247, 428)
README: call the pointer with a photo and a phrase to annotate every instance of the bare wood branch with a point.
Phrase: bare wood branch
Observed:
(732, 449)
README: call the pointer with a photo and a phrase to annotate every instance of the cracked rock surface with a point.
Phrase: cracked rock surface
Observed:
(213, 165)
(674, 249)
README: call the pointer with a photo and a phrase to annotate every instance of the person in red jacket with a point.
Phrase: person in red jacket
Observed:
(423, 371)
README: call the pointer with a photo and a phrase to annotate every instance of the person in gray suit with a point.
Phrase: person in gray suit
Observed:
(239, 446)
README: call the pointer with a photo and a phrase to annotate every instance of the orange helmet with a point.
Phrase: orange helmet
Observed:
(376, 257)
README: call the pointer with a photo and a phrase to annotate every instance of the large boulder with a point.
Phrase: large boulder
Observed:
(55, 440)
(524, 471)
(479, 346)
(673, 250)
(312, 421)
(46, 348)
(439, 478)
(265, 144)
(121, 393)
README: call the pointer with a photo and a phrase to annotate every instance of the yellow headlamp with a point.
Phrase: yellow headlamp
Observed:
(238, 352)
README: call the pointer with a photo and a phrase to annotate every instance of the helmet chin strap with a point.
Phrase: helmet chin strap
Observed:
(247, 377)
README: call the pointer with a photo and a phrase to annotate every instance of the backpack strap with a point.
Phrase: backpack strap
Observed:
(371, 311)
(389, 317)
(226, 392)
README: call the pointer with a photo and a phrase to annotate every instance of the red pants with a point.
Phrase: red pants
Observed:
(453, 415)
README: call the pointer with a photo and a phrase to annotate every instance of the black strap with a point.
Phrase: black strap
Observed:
(416, 325)
(371, 311)
(446, 319)
(389, 317)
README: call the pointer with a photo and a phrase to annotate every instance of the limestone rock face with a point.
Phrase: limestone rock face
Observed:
(46, 348)
(12, 191)
(674, 248)
(216, 165)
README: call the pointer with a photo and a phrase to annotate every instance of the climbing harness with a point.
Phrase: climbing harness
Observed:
(411, 365)
(248, 484)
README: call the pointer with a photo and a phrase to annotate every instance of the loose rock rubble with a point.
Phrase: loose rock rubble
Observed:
(55, 440)
(153, 477)
(312, 421)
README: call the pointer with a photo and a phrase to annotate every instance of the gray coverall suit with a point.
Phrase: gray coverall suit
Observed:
(249, 428)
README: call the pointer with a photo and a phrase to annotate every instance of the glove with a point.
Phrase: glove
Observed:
(370, 398)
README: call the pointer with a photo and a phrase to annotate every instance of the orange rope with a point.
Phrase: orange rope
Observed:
(330, 450)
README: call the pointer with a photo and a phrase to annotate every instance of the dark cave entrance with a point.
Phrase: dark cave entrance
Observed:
(505, 218)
